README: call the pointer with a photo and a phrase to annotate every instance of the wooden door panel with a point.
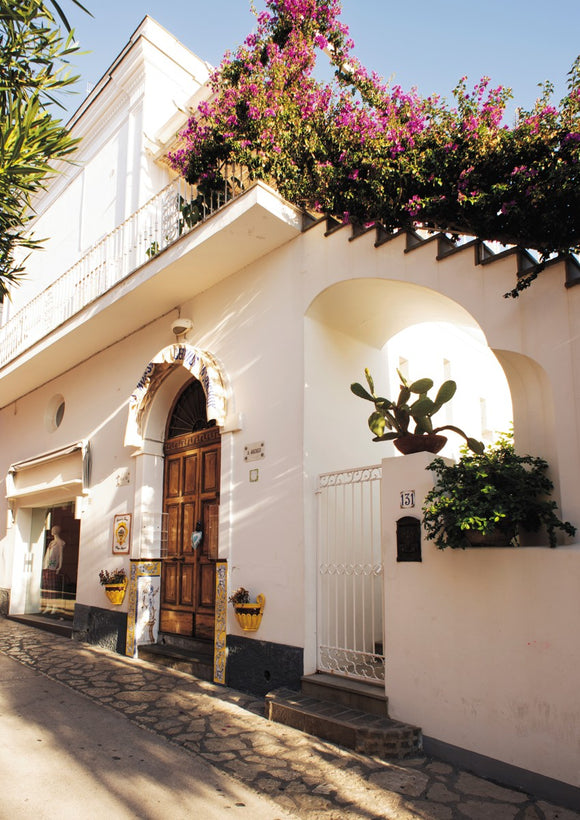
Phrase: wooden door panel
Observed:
(173, 528)
(190, 474)
(204, 625)
(172, 478)
(207, 585)
(177, 622)
(210, 471)
(187, 590)
(211, 530)
(191, 494)
(189, 521)
(170, 582)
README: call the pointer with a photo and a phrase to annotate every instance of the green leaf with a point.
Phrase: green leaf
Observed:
(423, 425)
(377, 423)
(422, 407)
(421, 386)
(34, 55)
(369, 379)
(402, 378)
(359, 391)
(445, 392)
(475, 445)
(404, 396)
(387, 437)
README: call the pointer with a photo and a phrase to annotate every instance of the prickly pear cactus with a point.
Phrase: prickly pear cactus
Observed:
(390, 420)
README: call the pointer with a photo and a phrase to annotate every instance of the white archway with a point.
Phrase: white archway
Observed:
(348, 327)
(354, 324)
(198, 363)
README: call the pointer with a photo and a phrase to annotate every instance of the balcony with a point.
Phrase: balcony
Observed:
(178, 244)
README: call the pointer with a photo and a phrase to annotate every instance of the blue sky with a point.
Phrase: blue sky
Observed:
(427, 44)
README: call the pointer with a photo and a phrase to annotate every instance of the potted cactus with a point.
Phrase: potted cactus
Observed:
(390, 420)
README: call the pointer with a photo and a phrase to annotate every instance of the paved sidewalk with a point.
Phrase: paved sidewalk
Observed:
(64, 757)
(305, 777)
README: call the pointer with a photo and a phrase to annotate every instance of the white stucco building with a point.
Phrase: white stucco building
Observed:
(239, 424)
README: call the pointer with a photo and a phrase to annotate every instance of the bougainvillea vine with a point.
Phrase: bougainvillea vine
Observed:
(366, 153)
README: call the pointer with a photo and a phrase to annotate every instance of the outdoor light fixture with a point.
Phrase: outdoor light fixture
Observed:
(181, 326)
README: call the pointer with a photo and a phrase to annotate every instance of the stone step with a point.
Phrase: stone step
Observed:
(56, 625)
(196, 661)
(368, 697)
(202, 647)
(365, 733)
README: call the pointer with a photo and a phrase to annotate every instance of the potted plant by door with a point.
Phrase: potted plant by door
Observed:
(487, 499)
(248, 615)
(391, 419)
(115, 583)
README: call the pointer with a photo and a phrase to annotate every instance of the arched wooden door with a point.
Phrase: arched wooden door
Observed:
(191, 499)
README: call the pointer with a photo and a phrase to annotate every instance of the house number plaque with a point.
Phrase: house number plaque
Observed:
(407, 499)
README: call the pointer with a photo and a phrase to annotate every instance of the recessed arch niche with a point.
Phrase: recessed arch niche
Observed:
(348, 327)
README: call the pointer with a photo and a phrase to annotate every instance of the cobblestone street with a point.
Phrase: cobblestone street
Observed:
(306, 777)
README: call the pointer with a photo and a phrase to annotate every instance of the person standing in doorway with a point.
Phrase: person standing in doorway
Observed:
(51, 566)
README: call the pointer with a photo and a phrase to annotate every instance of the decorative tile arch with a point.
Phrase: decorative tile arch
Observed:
(199, 363)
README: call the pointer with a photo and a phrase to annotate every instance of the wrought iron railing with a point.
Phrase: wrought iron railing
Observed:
(350, 574)
(173, 212)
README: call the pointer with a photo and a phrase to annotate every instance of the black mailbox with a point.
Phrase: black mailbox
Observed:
(409, 539)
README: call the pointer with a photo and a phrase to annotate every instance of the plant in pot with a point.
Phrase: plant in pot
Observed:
(115, 583)
(487, 499)
(390, 420)
(248, 614)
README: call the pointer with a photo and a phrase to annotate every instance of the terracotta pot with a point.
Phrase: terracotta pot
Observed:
(115, 593)
(495, 538)
(249, 616)
(424, 443)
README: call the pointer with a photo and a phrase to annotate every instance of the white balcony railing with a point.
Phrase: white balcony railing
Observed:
(173, 212)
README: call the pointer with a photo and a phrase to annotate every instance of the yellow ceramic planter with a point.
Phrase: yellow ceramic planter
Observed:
(249, 616)
(116, 593)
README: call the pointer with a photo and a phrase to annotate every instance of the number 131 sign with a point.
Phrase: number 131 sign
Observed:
(407, 499)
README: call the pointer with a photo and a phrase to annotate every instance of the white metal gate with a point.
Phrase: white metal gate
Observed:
(350, 574)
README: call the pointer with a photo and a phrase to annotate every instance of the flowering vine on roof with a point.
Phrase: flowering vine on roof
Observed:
(367, 153)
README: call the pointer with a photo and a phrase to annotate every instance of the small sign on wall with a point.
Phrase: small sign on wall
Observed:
(407, 499)
(121, 534)
(254, 452)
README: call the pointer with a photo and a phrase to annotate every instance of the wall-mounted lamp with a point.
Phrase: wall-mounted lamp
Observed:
(181, 326)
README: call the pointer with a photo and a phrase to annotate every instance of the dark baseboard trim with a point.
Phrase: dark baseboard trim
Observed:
(547, 788)
(100, 627)
(4, 602)
(258, 667)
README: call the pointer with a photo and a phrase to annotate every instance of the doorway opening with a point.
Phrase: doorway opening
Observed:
(58, 582)
(191, 503)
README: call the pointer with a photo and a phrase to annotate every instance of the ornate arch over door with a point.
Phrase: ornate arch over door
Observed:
(202, 365)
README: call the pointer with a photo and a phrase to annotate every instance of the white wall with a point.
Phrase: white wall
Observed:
(472, 365)
(113, 171)
(480, 642)
(475, 616)
(252, 324)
